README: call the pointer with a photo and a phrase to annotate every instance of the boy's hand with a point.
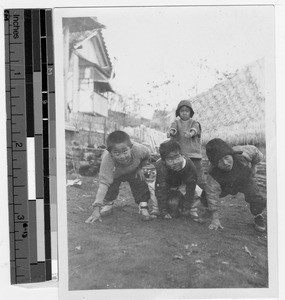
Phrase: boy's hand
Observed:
(187, 134)
(95, 216)
(215, 224)
(97, 203)
(171, 132)
(140, 175)
(167, 216)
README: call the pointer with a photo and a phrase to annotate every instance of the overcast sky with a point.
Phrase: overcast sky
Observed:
(167, 54)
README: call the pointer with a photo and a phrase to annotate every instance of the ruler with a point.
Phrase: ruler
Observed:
(30, 102)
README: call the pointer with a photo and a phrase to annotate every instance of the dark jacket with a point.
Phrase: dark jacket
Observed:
(167, 180)
(221, 183)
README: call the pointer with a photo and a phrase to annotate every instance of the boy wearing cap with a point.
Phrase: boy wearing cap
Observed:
(233, 170)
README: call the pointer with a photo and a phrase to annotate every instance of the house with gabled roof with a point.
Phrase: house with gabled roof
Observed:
(87, 75)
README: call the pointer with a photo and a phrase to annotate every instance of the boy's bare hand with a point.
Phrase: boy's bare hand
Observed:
(171, 132)
(97, 203)
(95, 216)
(215, 224)
(140, 175)
(167, 216)
(187, 134)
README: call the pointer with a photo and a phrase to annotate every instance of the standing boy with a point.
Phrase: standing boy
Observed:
(173, 171)
(233, 170)
(187, 132)
(122, 161)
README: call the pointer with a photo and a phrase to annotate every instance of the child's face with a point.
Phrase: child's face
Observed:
(121, 153)
(174, 161)
(184, 113)
(226, 163)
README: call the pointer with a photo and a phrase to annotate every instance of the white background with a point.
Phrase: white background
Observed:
(37, 291)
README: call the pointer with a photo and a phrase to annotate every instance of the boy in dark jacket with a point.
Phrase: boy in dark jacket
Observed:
(233, 170)
(174, 171)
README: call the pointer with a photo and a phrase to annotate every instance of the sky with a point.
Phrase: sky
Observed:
(164, 54)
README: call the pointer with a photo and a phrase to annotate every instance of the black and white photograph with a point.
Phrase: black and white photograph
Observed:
(165, 151)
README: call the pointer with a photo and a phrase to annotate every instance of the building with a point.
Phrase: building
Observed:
(87, 74)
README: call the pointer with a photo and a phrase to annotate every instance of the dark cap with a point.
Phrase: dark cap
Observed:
(216, 149)
(184, 103)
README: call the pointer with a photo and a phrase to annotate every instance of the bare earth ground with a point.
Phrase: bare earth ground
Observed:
(124, 252)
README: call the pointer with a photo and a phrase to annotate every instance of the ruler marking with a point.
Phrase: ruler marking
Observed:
(13, 209)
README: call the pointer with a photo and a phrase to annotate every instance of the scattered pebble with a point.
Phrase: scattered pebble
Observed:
(199, 261)
(178, 256)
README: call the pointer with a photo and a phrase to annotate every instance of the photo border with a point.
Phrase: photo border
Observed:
(271, 180)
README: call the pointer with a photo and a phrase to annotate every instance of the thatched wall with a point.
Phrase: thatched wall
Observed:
(234, 109)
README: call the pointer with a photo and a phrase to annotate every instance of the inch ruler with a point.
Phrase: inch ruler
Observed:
(30, 103)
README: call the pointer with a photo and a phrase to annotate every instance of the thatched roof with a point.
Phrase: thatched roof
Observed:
(234, 109)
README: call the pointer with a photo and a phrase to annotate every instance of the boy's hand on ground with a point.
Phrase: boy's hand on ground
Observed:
(95, 216)
(97, 203)
(215, 224)
(140, 175)
(167, 216)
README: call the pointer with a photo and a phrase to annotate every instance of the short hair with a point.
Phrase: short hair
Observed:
(168, 146)
(117, 137)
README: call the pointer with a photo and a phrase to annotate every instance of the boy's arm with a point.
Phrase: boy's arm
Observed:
(252, 154)
(145, 156)
(105, 178)
(194, 130)
(172, 129)
(213, 191)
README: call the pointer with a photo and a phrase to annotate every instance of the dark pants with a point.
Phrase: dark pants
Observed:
(254, 197)
(139, 188)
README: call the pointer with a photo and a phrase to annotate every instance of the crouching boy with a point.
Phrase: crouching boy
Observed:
(233, 170)
(173, 171)
(122, 161)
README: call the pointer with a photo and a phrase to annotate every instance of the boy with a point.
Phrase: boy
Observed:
(233, 170)
(122, 161)
(172, 171)
(187, 132)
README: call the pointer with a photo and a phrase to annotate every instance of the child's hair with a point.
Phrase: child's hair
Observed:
(168, 146)
(117, 137)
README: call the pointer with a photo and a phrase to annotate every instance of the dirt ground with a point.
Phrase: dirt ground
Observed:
(124, 252)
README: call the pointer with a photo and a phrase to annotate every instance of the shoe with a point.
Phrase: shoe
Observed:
(155, 212)
(143, 210)
(259, 223)
(193, 214)
(106, 210)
